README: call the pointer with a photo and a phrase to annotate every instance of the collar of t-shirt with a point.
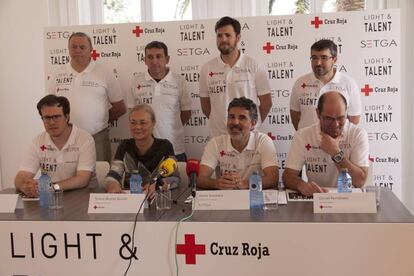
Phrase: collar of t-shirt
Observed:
(69, 142)
(167, 78)
(88, 68)
(238, 63)
(250, 145)
(335, 78)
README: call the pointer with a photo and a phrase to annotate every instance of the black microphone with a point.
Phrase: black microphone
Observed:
(192, 168)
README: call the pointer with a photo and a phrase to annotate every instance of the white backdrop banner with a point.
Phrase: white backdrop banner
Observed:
(104, 248)
(368, 50)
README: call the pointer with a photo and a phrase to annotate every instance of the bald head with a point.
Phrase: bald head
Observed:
(332, 113)
(331, 98)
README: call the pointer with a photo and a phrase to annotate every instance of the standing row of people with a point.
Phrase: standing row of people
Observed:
(96, 100)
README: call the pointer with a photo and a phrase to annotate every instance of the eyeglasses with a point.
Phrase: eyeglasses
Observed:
(138, 123)
(321, 58)
(54, 118)
(330, 120)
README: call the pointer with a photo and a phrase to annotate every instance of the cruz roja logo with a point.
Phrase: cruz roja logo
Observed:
(191, 249)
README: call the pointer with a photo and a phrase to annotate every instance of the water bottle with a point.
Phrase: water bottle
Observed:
(44, 190)
(344, 181)
(256, 193)
(135, 183)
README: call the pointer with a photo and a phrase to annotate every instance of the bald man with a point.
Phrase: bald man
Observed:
(326, 147)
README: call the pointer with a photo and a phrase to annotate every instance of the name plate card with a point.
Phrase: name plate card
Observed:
(344, 203)
(115, 203)
(8, 203)
(222, 200)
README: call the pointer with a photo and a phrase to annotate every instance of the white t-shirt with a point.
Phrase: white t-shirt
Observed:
(77, 154)
(307, 90)
(320, 167)
(168, 98)
(221, 84)
(89, 93)
(259, 154)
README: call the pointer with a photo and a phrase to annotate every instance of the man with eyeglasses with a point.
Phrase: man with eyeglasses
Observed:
(239, 153)
(326, 147)
(64, 151)
(93, 91)
(325, 77)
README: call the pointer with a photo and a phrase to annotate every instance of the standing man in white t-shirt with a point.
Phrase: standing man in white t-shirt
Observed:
(166, 92)
(326, 147)
(231, 75)
(324, 77)
(64, 151)
(93, 91)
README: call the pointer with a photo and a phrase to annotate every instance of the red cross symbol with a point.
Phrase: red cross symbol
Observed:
(321, 206)
(137, 31)
(139, 87)
(94, 207)
(271, 136)
(316, 22)
(268, 48)
(43, 147)
(303, 85)
(190, 249)
(308, 147)
(370, 158)
(366, 90)
(211, 74)
(95, 55)
(222, 153)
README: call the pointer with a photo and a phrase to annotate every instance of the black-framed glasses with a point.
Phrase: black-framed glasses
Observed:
(330, 120)
(320, 58)
(54, 118)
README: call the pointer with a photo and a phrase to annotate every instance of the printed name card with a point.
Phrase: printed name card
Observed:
(115, 203)
(8, 203)
(344, 203)
(222, 200)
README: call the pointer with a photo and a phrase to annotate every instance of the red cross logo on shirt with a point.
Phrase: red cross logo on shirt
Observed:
(211, 74)
(366, 90)
(190, 249)
(268, 48)
(308, 147)
(321, 206)
(137, 31)
(316, 22)
(222, 153)
(303, 85)
(42, 147)
(139, 86)
(95, 55)
(271, 136)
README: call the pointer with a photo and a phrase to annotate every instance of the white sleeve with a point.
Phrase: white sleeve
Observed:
(210, 154)
(87, 154)
(354, 106)
(185, 98)
(31, 159)
(203, 87)
(261, 81)
(296, 155)
(113, 87)
(267, 150)
(294, 97)
(360, 151)
(131, 100)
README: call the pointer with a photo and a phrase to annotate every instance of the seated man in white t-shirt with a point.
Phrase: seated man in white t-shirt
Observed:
(326, 147)
(239, 153)
(65, 152)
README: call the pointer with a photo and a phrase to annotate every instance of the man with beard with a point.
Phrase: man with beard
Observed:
(325, 77)
(231, 75)
(238, 154)
(326, 147)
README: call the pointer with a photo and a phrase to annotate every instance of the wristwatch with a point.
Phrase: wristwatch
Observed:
(337, 158)
(56, 187)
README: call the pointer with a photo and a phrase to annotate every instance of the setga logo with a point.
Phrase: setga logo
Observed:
(376, 43)
(191, 249)
(192, 52)
(57, 35)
